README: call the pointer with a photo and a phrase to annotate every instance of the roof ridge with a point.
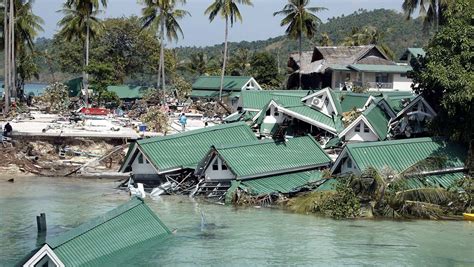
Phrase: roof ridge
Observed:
(395, 142)
(260, 142)
(192, 132)
(94, 223)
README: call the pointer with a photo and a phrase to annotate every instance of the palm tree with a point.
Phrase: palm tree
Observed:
(325, 40)
(80, 22)
(300, 20)
(368, 36)
(432, 11)
(230, 12)
(162, 15)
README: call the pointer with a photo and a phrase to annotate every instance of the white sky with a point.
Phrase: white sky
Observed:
(259, 23)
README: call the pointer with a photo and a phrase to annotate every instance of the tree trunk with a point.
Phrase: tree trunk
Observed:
(6, 38)
(162, 55)
(225, 58)
(12, 49)
(84, 73)
(300, 44)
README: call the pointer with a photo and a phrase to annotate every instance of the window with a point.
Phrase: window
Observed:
(366, 128)
(276, 113)
(215, 165)
(349, 163)
(140, 158)
(224, 167)
(357, 129)
(382, 78)
(326, 101)
(268, 112)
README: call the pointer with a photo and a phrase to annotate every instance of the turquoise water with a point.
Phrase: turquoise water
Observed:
(236, 236)
(35, 88)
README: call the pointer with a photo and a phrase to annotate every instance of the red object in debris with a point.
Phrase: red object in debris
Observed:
(95, 111)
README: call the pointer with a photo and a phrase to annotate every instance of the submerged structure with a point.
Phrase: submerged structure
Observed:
(98, 241)
(278, 164)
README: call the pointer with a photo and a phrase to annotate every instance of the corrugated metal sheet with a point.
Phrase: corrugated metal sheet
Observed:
(127, 92)
(396, 101)
(260, 158)
(328, 185)
(349, 101)
(234, 83)
(314, 115)
(187, 149)
(258, 99)
(402, 154)
(378, 119)
(121, 228)
(279, 183)
(442, 180)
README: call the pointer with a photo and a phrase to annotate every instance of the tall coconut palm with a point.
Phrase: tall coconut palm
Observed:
(80, 22)
(230, 12)
(300, 20)
(163, 16)
(432, 11)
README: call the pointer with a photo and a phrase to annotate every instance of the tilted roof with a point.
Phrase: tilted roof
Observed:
(185, 150)
(283, 183)
(399, 155)
(93, 242)
(398, 102)
(128, 92)
(263, 158)
(378, 119)
(231, 83)
(257, 99)
(441, 180)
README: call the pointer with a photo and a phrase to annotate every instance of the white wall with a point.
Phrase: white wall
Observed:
(402, 83)
(327, 109)
(347, 165)
(142, 168)
(361, 136)
(220, 174)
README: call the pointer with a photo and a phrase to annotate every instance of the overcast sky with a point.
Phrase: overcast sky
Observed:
(259, 23)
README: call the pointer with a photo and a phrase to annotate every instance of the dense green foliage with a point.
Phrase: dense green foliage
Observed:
(445, 76)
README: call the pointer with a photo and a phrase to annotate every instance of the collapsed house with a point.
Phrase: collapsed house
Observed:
(207, 88)
(427, 161)
(150, 160)
(100, 240)
(346, 67)
(276, 165)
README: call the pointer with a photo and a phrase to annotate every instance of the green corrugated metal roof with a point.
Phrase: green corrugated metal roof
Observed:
(414, 51)
(262, 158)
(127, 92)
(402, 154)
(339, 67)
(381, 68)
(284, 183)
(328, 185)
(442, 180)
(213, 94)
(378, 119)
(314, 114)
(349, 101)
(186, 149)
(396, 101)
(123, 227)
(257, 99)
(74, 86)
(213, 83)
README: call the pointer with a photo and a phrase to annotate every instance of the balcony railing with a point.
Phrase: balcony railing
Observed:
(370, 85)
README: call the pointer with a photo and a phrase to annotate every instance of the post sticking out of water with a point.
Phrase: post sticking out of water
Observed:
(41, 223)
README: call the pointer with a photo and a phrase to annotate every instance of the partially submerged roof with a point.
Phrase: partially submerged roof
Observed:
(127, 91)
(264, 158)
(400, 155)
(284, 183)
(94, 242)
(185, 150)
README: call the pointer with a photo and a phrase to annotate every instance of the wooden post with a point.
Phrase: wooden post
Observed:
(41, 222)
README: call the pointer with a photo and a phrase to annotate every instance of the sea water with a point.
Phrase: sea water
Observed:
(215, 235)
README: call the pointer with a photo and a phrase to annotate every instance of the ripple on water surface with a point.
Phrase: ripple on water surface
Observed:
(230, 236)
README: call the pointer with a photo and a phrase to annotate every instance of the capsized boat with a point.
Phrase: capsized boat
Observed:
(468, 216)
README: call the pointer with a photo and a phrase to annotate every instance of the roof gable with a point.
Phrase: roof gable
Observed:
(185, 150)
(402, 154)
(118, 229)
(264, 158)
(378, 119)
